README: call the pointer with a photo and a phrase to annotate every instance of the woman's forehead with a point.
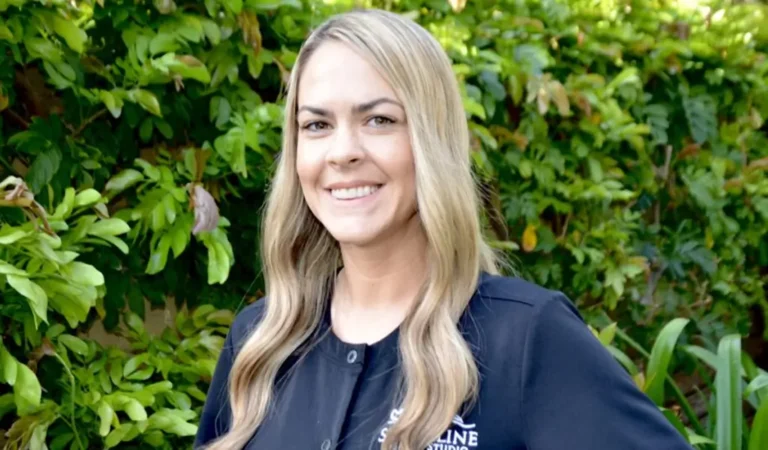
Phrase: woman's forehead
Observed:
(336, 73)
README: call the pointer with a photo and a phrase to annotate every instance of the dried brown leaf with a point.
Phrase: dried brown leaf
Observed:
(206, 210)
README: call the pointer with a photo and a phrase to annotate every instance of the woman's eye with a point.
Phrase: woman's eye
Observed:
(315, 126)
(381, 121)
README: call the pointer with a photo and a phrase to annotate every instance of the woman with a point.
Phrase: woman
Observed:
(385, 323)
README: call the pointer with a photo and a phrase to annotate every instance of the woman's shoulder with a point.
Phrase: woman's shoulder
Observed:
(519, 298)
(514, 317)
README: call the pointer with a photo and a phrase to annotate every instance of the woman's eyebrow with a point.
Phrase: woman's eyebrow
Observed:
(358, 109)
(315, 110)
(367, 106)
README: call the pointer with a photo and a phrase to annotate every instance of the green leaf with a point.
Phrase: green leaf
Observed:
(150, 171)
(231, 146)
(8, 269)
(73, 36)
(180, 400)
(58, 75)
(119, 243)
(106, 413)
(61, 442)
(155, 438)
(624, 360)
(87, 197)
(37, 440)
(54, 331)
(83, 273)
(159, 255)
(145, 130)
(132, 364)
(674, 420)
(164, 42)
(595, 170)
(759, 382)
(164, 128)
(173, 421)
(64, 210)
(222, 264)
(474, 108)
(758, 436)
(272, 4)
(38, 300)
(701, 113)
(504, 245)
(147, 100)
(142, 374)
(10, 235)
(8, 366)
(124, 180)
(695, 439)
(661, 354)
(200, 313)
(7, 404)
(615, 279)
(180, 238)
(74, 343)
(5, 33)
(607, 334)
(135, 411)
(113, 103)
(109, 227)
(72, 300)
(27, 391)
(134, 322)
(43, 168)
(42, 48)
(704, 355)
(235, 6)
(220, 111)
(116, 436)
(116, 371)
(627, 76)
(190, 67)
(196, 393)
(729, 398)
(212, 31)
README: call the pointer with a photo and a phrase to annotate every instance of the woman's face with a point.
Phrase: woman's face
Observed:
(354, 158)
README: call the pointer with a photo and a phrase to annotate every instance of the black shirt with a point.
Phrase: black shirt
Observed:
(546, 383)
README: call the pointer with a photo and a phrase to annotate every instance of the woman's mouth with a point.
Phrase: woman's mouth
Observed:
(355, 192)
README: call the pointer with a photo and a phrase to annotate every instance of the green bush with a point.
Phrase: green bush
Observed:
(737, 381)
(621, 148)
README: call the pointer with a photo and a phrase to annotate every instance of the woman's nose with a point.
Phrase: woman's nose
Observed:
(346, 147)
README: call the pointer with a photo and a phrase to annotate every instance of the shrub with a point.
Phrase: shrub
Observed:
(620, 147)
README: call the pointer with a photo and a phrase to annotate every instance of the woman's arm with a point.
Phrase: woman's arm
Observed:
(577, 396)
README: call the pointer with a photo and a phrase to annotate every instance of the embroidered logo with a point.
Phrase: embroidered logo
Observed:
(460, 436)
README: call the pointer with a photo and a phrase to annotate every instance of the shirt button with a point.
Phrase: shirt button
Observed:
(326, 445)
(352, 356)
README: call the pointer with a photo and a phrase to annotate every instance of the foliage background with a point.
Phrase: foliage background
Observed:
(621, 147)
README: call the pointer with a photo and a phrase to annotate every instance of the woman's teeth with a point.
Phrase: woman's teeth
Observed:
(352, 193)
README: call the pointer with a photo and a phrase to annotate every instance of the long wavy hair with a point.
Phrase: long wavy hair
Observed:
(439, 376)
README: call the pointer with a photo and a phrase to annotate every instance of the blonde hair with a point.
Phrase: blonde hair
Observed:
(439, 373)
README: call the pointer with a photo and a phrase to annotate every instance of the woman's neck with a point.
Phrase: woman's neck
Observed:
(378, 285)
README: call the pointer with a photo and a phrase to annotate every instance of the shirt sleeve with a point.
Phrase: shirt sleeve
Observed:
(215, 417)
(577, 396)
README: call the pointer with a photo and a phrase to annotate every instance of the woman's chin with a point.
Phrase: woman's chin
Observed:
(356, 235)
(355, 239)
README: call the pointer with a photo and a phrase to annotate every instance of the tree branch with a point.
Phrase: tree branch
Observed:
(87, 122)
(20, 202)
(17, 118)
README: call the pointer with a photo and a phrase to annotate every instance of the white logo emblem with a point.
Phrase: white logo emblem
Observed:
(461, 436)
